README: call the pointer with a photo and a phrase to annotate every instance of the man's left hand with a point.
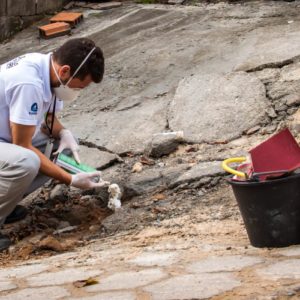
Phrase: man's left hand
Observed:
(67, 141)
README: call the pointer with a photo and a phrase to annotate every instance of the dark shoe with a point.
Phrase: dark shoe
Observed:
(5, 242)
(19, 213)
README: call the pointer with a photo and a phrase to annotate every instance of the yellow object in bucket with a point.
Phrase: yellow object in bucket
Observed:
(233, 171)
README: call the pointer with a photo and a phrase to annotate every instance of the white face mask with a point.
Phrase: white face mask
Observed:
(63, 92)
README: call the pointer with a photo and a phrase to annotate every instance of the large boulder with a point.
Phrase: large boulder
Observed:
(120, 131)
(270, 45)
(209, 108)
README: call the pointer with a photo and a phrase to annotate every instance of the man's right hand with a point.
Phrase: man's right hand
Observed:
(86, 181)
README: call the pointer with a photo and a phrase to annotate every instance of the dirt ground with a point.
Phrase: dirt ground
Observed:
(85, 213)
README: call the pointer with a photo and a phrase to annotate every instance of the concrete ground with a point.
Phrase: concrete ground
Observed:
(227, 76)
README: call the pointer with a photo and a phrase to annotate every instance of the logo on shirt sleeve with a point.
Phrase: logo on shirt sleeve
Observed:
(34, 109)
(14, 62)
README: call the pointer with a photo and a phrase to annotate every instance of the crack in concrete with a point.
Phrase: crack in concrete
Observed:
(111, 163)
(275, 65)
(92, 145)
(129, 107)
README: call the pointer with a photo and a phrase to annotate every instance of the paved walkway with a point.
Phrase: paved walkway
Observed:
(160, 266)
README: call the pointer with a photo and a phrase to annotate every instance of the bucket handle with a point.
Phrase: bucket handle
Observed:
(233, 171)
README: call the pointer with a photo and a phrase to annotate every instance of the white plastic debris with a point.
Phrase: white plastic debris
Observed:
(64, 230)
(137, 167)
(115, 194)
(174, 134)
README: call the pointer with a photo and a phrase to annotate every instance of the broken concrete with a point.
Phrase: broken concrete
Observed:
(164, 143)
(213, 108)
(197, 172)
(97, 158)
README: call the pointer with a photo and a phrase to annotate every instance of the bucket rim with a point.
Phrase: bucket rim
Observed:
(255, 183)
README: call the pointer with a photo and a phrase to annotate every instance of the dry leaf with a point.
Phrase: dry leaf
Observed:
(159, 197)
(146, 161)
(158, 209)
(191, 149)
(51, 243)
(130, 154)
(86, 282)
(220, 142)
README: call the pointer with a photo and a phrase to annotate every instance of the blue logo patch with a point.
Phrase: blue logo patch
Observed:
(33, 109)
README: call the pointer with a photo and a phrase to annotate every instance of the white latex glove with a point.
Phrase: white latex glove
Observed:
(67, 141)
(86, 181)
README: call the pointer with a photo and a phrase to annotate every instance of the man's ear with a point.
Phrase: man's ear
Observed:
(64, 72)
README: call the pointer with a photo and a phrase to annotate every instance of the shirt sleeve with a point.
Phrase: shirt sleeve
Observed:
(25, 105)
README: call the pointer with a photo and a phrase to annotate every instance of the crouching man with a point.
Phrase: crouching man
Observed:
(32, 89)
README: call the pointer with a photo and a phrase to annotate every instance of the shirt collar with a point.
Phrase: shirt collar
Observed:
(46, 77)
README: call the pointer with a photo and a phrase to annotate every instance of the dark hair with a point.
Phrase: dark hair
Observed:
(74, 51)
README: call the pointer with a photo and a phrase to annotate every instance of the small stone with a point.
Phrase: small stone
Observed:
(58, 192)
(271, 112)
(164, 143)
(282, 113)
(63, 224)
(214, 181)
(292, 100)
(52, 222)
(253, 130)
(180, 160)
(86, 198)
(280, 107)
(268, 129)
(291, 111)
(200, 193)
(280, 118)
(94, 228)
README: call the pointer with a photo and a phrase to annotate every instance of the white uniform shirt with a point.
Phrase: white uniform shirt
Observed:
(25, 92)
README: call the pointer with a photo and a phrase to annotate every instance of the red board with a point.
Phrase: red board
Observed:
(280, 152)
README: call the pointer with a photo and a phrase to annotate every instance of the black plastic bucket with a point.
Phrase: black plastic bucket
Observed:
(270, 210)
